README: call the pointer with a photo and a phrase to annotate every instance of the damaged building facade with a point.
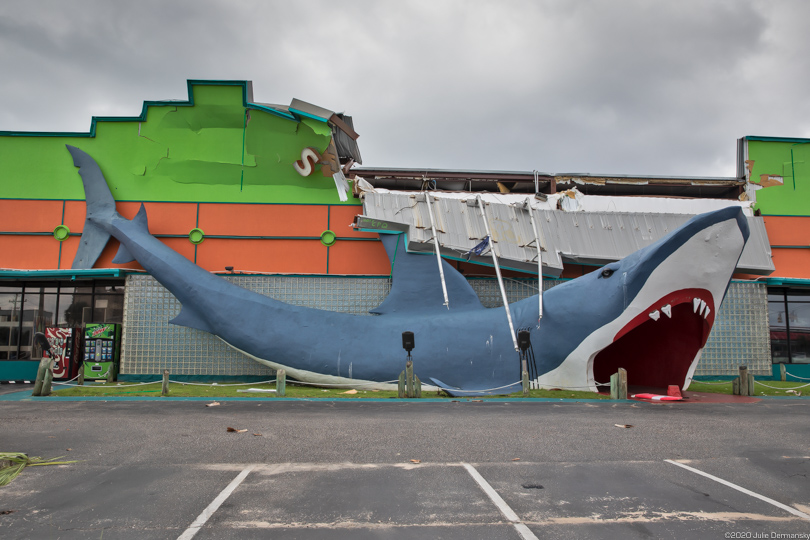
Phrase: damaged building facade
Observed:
(275, 199)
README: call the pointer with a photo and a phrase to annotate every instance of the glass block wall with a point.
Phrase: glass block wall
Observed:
(151, 344)
(740, 335)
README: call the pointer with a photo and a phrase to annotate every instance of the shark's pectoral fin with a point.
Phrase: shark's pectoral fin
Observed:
(92, 243)
(460, 392)
(190, 318)
(123, 256)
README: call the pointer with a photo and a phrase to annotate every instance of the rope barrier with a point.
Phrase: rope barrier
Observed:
(797, 377)
(67, 381)
(780, 387)
(217, 384)
(341, 385)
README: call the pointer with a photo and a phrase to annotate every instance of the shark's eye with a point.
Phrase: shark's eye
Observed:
(607, 272)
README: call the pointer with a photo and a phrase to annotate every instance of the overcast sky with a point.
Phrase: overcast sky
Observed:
(622, 87)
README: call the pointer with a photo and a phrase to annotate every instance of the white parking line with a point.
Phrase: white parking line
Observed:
(505, 509)
(743, 490)
(209, 511)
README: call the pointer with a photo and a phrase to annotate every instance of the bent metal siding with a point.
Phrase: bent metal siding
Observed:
(151, 344)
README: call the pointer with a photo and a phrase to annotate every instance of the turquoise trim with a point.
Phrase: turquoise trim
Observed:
(19, 370)
(786, 282)
(65, 274)
(359, 205)
(190, 84)
(791, 247)
(308, 115)
(26, 396)
(775, 139)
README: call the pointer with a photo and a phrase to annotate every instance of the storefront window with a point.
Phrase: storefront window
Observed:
(39, 313)
(789, 320)
(26, 309)
(11, 305)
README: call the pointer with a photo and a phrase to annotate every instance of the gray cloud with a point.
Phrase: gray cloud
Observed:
(627, 86)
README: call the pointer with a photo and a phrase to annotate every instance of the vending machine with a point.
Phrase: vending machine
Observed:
(102, 347)
(66, 351)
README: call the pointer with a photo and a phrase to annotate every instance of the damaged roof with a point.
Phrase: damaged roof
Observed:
(568, 232)
(550, 183)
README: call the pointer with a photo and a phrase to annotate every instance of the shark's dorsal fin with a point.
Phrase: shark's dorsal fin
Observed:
(100, 204)
(124, 256)
(417, 286)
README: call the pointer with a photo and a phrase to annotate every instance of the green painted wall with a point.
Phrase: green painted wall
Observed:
(215, 147)
(785, 158)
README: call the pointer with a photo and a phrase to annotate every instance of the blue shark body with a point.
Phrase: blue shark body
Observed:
(467, 349)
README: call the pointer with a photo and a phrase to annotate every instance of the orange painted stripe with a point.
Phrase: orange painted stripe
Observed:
(29, 252)
(263, 219)
(788, 231)
(164, 218)
(249, 255)
(30, 216)
(75, 214)
(358, 258)
(340, 220)
(791, 263)
(71, 246)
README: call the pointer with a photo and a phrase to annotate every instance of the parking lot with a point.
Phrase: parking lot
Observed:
(465, 469)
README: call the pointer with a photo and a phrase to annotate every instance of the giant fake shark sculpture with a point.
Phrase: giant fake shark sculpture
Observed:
(650, 313)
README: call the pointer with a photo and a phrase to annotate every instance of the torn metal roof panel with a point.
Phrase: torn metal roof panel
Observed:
(586, 237)
(345, 138)
(309, 110)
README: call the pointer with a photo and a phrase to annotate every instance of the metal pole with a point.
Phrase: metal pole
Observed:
(436, 248)
(539, 260)
(497, 271)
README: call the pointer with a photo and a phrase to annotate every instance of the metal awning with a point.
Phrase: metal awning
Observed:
(583, 237)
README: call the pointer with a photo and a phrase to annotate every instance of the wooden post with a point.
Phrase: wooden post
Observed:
(735, 386)
(281, 383)
(43, 367)
(46, 383)
(751, 381)
(743, 380)
(618, 384)
(401, 386)
(783, 372)
(164, 389)
(417, 384)
(622, 383)
(409, 379)
(81, 374)
(524, 377)
(110, 375)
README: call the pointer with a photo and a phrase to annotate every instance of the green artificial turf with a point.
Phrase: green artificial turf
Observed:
(292, 391)
(762, 388)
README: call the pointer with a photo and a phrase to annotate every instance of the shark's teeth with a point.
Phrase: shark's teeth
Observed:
(655, 315)
(667, 310)
(706, 313)
(695, 304)
(702, 306)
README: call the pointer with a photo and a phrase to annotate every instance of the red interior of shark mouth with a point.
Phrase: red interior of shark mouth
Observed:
(658, 346)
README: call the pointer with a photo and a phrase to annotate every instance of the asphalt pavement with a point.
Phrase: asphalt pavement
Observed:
(399, 469)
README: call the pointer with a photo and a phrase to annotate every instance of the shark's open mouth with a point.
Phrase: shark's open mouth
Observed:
(658, 347)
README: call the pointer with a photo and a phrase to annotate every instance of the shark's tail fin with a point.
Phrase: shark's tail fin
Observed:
(100, 213)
